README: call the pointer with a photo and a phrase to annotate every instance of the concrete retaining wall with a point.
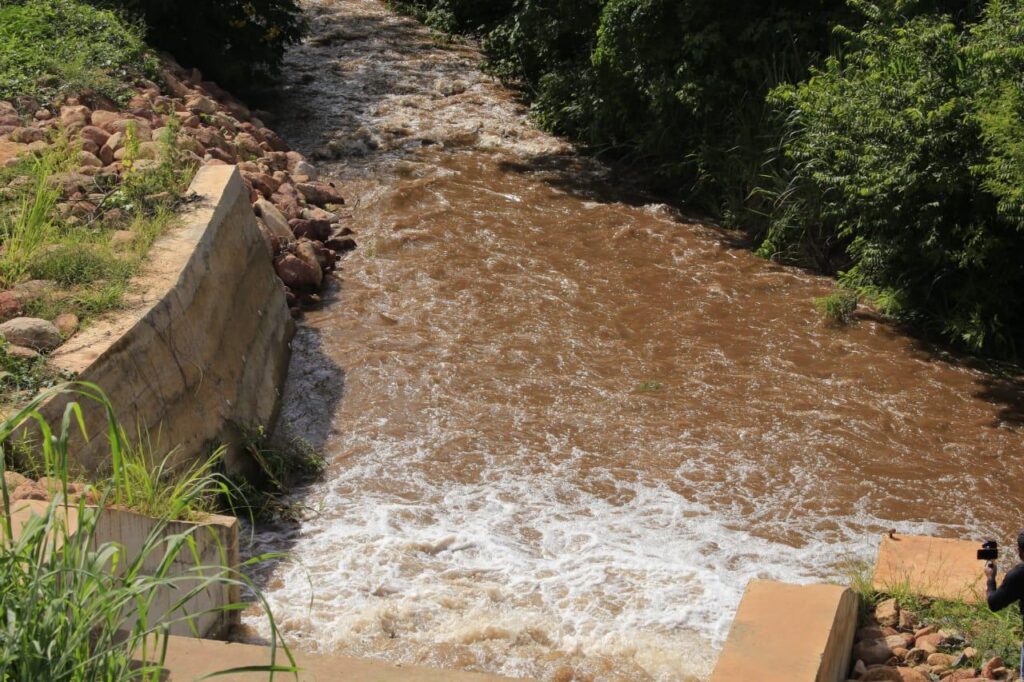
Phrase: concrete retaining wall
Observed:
(203, 345)
(790, 633)
(215, 548)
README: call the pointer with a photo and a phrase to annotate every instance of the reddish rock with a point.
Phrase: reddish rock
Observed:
(66, 324)
(286, 198)
(908, 621)
(31, 332)
(930, 642)
(10, 306)
(29, 491)
(221, 155)
(917, 656)
(275, 220)
(317, 213)
(926, 630)
(296, 273)
(911, 675)
(305, 250)
(27, 135)
(322, 194)
(95, 134)
(881, 674)
(21, 352)
(887, 613)
(262, 183)
(988, 671)
(272, 140)
(940, 659)
(277, 161)
(71, 116)
(102, 119)
(88, 160)
(872, 651)
(13, 479)
(142, 128)
(210, 137)
(346, 244)
(201, 105)
(325, 257)
(316, 230)
(247, 146)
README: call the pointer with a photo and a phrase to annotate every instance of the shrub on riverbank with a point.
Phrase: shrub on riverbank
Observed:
(901, 149)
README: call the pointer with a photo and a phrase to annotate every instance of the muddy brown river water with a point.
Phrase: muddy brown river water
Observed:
(566, 424)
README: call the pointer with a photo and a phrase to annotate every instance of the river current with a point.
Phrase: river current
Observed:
(566, 424)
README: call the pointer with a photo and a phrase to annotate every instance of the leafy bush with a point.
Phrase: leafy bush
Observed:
(907, 149)
(54, 47)
(238, 43)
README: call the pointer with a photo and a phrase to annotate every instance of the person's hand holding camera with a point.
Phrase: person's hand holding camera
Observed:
(990, 570)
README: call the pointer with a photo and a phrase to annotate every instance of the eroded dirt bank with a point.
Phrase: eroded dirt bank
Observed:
(566, 424)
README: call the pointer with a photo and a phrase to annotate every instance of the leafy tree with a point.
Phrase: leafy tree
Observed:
(238, 43)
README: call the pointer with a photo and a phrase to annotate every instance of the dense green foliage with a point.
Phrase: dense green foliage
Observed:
(238, 43)
(881, 141)
(907, 150)
(53, 47)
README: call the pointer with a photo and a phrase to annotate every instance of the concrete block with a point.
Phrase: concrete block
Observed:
(931, 567)
(790, 633)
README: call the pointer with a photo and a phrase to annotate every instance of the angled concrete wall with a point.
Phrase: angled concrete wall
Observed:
(203, 345)
(790, 633)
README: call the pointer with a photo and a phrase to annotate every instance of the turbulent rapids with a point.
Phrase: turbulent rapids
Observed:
(566, 424)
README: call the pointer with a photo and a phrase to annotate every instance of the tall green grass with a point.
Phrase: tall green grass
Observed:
(31, 225)
(73, 609)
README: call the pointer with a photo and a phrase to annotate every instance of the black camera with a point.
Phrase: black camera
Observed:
(989, 551)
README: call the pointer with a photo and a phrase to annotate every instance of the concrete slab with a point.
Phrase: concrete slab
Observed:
(190, 659)
(932, 567)
(790, 633)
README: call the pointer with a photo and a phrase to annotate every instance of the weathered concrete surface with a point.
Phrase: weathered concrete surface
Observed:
(932, 567)
(790, 633)
(215, 548)
(203, 346)
(190, 659)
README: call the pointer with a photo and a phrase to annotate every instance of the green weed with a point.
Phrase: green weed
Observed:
(838, 307)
